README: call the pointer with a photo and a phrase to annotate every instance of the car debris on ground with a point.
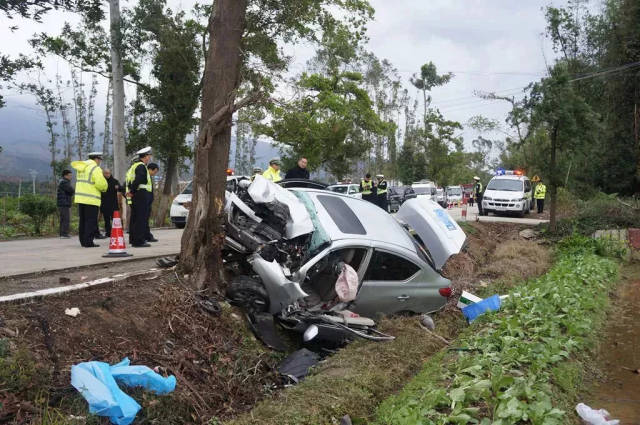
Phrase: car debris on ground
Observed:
(98, 383)
(73, 311)
(303, 257)
(594, 417)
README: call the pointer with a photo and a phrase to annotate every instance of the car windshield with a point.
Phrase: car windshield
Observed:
(339, 189)
(187, 190)
(506, 185)
(455, 191)
(424, 190)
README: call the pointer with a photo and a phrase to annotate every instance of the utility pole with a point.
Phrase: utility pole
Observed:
(117, 122)
(33, 173)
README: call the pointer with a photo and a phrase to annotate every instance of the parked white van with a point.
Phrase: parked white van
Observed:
(427, 190)
(508, 192)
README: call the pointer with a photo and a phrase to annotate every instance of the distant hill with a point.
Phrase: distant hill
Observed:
(24, 142)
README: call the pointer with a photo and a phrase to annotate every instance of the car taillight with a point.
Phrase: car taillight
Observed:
(445, 292)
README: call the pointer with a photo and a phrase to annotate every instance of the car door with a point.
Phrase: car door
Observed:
(391, 284)
(354, 190)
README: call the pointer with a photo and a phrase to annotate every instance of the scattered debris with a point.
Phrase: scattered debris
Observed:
(636, 371)
(529, 234)
(427, 322)
(595, 417)
(472, 311)
(96, 381)
(167, 262)
(467, 298)
(73, 311)
(208, 305)
(346, 420)
(63, 279)
(297, 366)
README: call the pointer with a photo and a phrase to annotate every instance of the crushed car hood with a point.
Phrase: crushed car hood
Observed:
(265, 191)
(439, 232)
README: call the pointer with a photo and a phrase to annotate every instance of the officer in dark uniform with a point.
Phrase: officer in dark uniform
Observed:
(139, 192)
(478, 193)
(381, 192)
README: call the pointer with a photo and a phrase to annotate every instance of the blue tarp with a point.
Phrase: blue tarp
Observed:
(98, 384)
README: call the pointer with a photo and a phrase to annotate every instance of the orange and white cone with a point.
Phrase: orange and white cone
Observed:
(116, 243)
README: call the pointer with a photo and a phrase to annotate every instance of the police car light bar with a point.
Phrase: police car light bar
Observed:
(503, 172)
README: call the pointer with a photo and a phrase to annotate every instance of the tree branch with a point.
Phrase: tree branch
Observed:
(221, 118)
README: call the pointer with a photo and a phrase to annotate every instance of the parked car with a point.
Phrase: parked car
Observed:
(508, 193)
(425, 190)
(397, 195)
(350, 189)
(441, 197)
(454, 194)
(296, 262)
(179, 213)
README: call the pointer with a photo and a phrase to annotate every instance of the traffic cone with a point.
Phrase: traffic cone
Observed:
(464, 212)
(116, 243)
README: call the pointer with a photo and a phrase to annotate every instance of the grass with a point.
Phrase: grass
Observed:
(355, 379)
(517, 259)
(527, 352)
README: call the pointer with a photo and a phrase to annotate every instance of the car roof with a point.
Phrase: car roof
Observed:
(379, 225)
(509, 177)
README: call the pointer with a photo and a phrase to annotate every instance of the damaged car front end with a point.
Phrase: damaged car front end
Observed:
(322, 263)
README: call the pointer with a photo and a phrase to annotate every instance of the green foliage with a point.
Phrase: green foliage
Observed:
(510, 378)
(20, 374)
(38, 208)
(600, 212)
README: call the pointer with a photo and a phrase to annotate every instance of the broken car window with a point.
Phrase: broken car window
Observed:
(386, 267)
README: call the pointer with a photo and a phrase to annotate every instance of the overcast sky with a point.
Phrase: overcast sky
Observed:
(490, 45)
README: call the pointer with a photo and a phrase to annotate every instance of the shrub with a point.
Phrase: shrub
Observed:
(38, 208)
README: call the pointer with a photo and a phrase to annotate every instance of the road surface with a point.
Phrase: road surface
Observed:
(38, 255)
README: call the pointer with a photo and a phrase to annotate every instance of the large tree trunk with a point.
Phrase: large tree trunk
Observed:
(203, 238)
(553, 186)
(117, 122)
(163, 201)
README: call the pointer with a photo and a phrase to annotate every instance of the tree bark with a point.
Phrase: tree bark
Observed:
(553, 181)
(203, 238)
(163, 201)
(117, 121)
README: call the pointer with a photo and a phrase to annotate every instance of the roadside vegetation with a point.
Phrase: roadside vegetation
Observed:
(507, 367)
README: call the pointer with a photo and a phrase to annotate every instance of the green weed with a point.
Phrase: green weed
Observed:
(521, 352)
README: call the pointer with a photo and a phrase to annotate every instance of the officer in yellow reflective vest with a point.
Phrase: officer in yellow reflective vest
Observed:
(367, 188)
(273, 172)
(90, 183)
(540, 194)
(139, 189)
(381, 192)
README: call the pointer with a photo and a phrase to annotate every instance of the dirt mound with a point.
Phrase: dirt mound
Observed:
(221, 369)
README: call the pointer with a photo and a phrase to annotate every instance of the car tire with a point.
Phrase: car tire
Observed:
(180, 225)
(528, 209)
(249, 294)
(523, 212)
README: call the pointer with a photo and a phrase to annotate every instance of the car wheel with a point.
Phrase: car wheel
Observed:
(523, 212)
(528, 209)
(180, 225)
(248, 293)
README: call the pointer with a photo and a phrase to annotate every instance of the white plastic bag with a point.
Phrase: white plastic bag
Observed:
(594, 417)
(347, 284)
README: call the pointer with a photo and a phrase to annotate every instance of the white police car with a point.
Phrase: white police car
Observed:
(509, 191)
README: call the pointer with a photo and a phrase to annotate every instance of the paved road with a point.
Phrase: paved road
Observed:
(36, 255)
(472, 213)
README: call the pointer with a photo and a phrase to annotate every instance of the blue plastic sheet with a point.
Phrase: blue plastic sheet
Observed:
(472, 311)
(98, 384)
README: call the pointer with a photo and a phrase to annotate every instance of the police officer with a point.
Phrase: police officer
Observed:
(367, 188)
(257, 171)
(138, 194)
(540, 193)
(90, 183)
(273, 172)
(477, 193)
(381, 192)
(153, 170)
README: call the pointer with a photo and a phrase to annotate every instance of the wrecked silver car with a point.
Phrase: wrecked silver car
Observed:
(310, 250)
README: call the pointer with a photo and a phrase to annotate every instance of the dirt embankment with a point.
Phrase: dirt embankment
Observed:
(220, 368)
